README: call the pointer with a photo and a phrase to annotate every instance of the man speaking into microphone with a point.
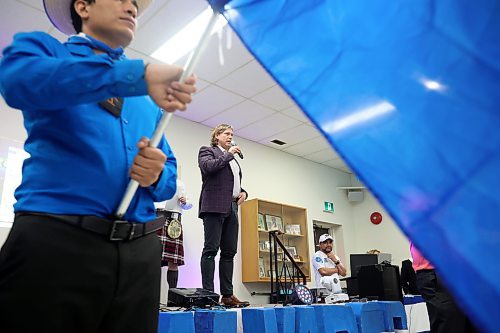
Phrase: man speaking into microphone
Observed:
(221, 194)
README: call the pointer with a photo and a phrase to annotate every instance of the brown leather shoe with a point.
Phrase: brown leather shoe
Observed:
(232, 301)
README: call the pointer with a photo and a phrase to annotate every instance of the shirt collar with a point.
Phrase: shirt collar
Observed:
(84, 45)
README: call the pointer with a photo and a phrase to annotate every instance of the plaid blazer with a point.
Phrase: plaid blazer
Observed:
(217, 181)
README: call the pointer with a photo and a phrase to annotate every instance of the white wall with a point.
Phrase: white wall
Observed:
(268, 174)
(385, 236)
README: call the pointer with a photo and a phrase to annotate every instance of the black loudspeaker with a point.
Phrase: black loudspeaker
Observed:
(189, 297)
(380, 282)
(358, 260)
(352, 286)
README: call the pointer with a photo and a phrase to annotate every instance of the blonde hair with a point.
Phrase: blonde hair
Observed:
(216, 131)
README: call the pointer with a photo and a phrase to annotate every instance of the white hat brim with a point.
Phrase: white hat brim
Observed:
(59, 13)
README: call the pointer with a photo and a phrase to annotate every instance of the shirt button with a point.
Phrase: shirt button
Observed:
(125, 121)
(131, 89)
(130, 77)
(130, 148)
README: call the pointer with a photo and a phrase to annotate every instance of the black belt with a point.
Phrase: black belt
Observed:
(114, 230)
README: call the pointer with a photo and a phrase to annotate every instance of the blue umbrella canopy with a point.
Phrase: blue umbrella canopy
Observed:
(407, 93)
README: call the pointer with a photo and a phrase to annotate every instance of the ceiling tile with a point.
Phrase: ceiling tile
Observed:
(164, 22)
(209, 102)
(37, 4)
(153, 9)
(201, 85)
(338, 164)
(322, 155)
(248, 80)
(335, 163)
(209, 66)
(274, 98)
(296, 112)
(292, 136)
(308, 147)
(240, 115)
(267, 127)
(58, 35)
(134, 54)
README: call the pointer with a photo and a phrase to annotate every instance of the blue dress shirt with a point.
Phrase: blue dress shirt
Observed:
(80, 154)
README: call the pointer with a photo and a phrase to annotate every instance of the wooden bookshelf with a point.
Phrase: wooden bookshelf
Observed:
(254, 237)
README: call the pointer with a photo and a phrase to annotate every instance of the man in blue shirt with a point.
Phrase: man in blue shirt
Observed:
(88, 112)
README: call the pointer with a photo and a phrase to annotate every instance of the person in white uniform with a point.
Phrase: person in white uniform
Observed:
(326, 263)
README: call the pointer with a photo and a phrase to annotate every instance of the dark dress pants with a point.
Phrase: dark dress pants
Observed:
(444, 314)
(57, 278)
(221, 231)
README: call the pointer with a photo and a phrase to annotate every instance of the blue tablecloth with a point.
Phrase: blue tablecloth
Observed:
(412, 299)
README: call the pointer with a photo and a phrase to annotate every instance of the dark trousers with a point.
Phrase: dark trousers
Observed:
(444, 315)
(221, 231)
(57, 278)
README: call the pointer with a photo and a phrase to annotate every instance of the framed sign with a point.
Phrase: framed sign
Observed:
(274, 223)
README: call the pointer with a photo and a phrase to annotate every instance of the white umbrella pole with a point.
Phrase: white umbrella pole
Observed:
(165, 119)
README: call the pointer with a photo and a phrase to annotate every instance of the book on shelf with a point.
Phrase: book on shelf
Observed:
(262, 268)
(261, 224)
(264, 246)
(292, 250)
(292, 229)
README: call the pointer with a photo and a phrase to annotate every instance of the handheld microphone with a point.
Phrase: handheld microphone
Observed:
(240, 154)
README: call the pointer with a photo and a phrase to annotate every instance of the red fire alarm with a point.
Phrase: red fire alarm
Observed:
(376, 218)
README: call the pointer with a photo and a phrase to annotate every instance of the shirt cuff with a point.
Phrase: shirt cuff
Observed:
(129, 78)
(166, 183)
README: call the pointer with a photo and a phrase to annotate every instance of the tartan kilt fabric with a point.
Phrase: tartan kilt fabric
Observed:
(172, 249)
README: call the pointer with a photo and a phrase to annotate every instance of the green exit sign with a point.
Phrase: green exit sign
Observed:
(328, 206)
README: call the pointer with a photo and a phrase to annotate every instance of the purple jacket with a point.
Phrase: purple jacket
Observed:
(217, 181)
